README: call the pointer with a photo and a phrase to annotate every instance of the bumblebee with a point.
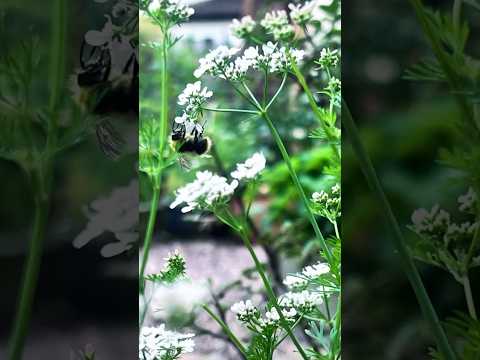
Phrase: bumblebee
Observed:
(189, 139)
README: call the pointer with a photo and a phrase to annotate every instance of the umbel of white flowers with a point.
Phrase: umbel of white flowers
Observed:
(175, 11)
(309, 273)
(156, 343)
(221, 62)
(209, 190)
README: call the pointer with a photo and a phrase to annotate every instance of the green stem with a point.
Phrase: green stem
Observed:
(299, 187)
(147, 243)
(253, 112)
(469, 298)
(227, 331)
(456, 14)
(29, 284)
(398, 240)
(315, 108)
(270, 293)
(42, 196)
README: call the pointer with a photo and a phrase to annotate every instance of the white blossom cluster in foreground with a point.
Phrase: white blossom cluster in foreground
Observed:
(192, 99)
(206, 191)
(156, 343)
(209, 190)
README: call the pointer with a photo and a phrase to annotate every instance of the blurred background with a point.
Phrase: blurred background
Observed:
(404, 125)
(219, 267)
(84, 300)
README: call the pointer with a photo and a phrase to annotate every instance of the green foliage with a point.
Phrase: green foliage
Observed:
(174, 269)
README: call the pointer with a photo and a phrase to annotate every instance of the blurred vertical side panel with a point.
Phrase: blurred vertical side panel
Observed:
(414, 132)
(69, 194)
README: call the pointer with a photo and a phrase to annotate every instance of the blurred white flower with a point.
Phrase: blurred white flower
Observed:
(244, 27)
(244, 310)
(174, 10)
(316, 270)
(250, 168)
(206, 191)
(156, 343)
(467, 201)
(303, 301)
(179, 298)
(302, 14)
(118, 214)
(277, 24)
(294, 281)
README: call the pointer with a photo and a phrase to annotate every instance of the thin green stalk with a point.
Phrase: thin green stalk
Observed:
(44, 179)
(316, 110)
(398, 240)
(227, 331)
(29, 284)
(469, 298)
(253, 112)
(456, 14)
(270, 293)
(147, 243)
(299, 187)
(280, 88)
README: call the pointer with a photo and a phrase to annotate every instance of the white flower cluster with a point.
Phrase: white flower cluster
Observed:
(216, 62)
(302, 14)
(206, 191)
(192, 99)
(468, 201)
(328, 204)
(444, 242)
(272, 317)
(311, 272)
(433, 223)
(244, 27)
(328, 58)
(221, 62)
(250, 168)
(209, 190)
(276, 23)
(304, 301)
(173, 10)
(245, 310)
(156, 343)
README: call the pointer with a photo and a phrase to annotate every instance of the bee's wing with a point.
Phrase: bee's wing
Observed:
(110, 141)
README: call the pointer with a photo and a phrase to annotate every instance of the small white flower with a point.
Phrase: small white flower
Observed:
(467, 201)
(243, 27)
(192, 99)
(276, 23)
(244, 310)
(302, 14)
(216, 62)
(250, 168)
(328, 58)
(207, 191)
(174, 10)
(316, 270)
(272, 317)
(157, 343)
(294, 281)
(303, 301)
